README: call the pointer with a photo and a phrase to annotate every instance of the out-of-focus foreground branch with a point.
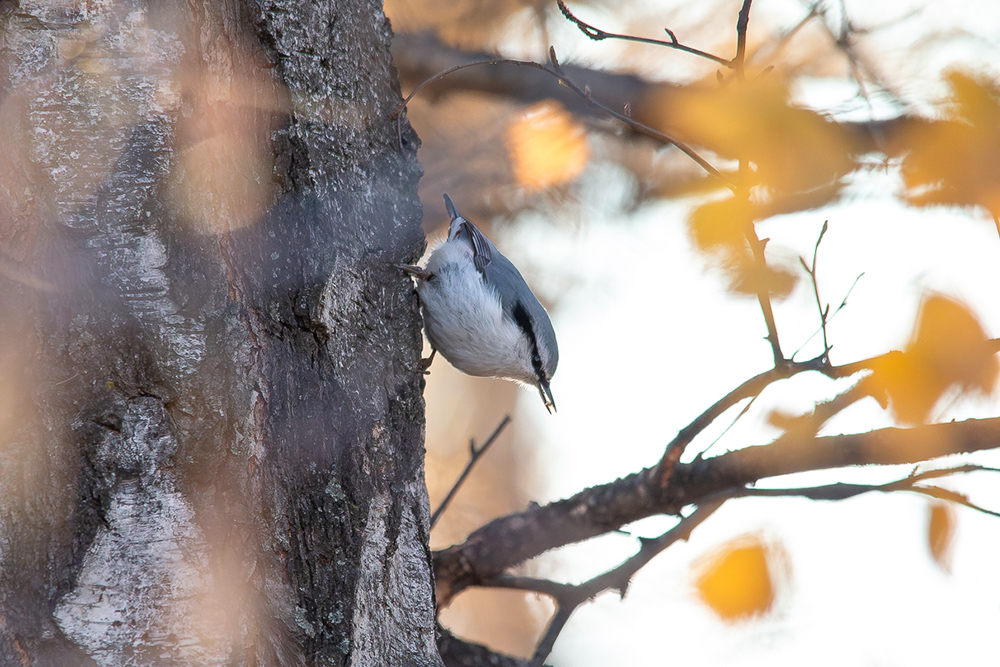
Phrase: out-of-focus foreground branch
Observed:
(419, 57)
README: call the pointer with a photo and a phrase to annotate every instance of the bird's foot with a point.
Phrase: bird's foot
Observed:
(414, 271)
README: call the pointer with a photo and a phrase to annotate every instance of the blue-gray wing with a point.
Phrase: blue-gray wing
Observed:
(464, 229)
(483, 250)
(514, 296)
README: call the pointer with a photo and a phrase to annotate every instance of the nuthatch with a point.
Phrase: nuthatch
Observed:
(481, 315)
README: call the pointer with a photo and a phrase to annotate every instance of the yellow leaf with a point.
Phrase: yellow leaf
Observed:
(547, 146)
(948, 349)
(749, 278)
(957, 160)
(941, 533)
(736, 581)
(792, 149)
(718, 229)
(720, 225)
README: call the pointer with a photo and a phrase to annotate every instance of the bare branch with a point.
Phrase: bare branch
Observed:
(749, 389)
(513, 539)
(742, 413)
(831, 315)
(842, 491)
(474, 456)
(823, 312)
(568, 596)
(598, 35)
(420, 56)
(763, 292)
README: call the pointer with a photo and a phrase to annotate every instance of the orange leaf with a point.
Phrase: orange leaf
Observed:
(948, 349)
(736, 581)
(941, 533)
(547, 146)
(957, 160)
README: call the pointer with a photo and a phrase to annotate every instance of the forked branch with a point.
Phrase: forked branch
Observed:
(598, 35)
(568, 597)
(474, 455)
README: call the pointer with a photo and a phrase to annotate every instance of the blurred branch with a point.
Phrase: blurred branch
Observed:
(474, 456)
(785, 37)
(568, 597)
(418, 57)
(846, 370)
(598, 35)
(558, 73)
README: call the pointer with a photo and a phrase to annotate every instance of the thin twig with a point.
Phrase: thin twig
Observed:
(787, 35)
(831, 316)
(584, 92)
(597, 35)
(843, 491)
(757, 246)
(749, 389)
(474, 456)
(569, 596)
(742, 413)
(823, 312)
(742, 22)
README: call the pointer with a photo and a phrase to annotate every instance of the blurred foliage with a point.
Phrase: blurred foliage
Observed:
(547, 146)
(224, 180)
(718, 228)
(941, 533)
(467, 23)
(957, 160)
(789, 149)
(948, 350)
(735, 581)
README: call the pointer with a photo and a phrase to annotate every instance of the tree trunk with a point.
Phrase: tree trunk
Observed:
(211, 422)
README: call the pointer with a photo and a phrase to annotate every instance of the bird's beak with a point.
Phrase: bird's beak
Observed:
(546, 394)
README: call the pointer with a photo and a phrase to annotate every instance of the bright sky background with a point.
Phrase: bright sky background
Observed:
(649, 338)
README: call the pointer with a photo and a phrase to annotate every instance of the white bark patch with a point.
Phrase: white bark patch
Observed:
(140, 596)
(145, 593)
(390, 627)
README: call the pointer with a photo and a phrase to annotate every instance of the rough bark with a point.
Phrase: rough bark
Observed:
(211, 425)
